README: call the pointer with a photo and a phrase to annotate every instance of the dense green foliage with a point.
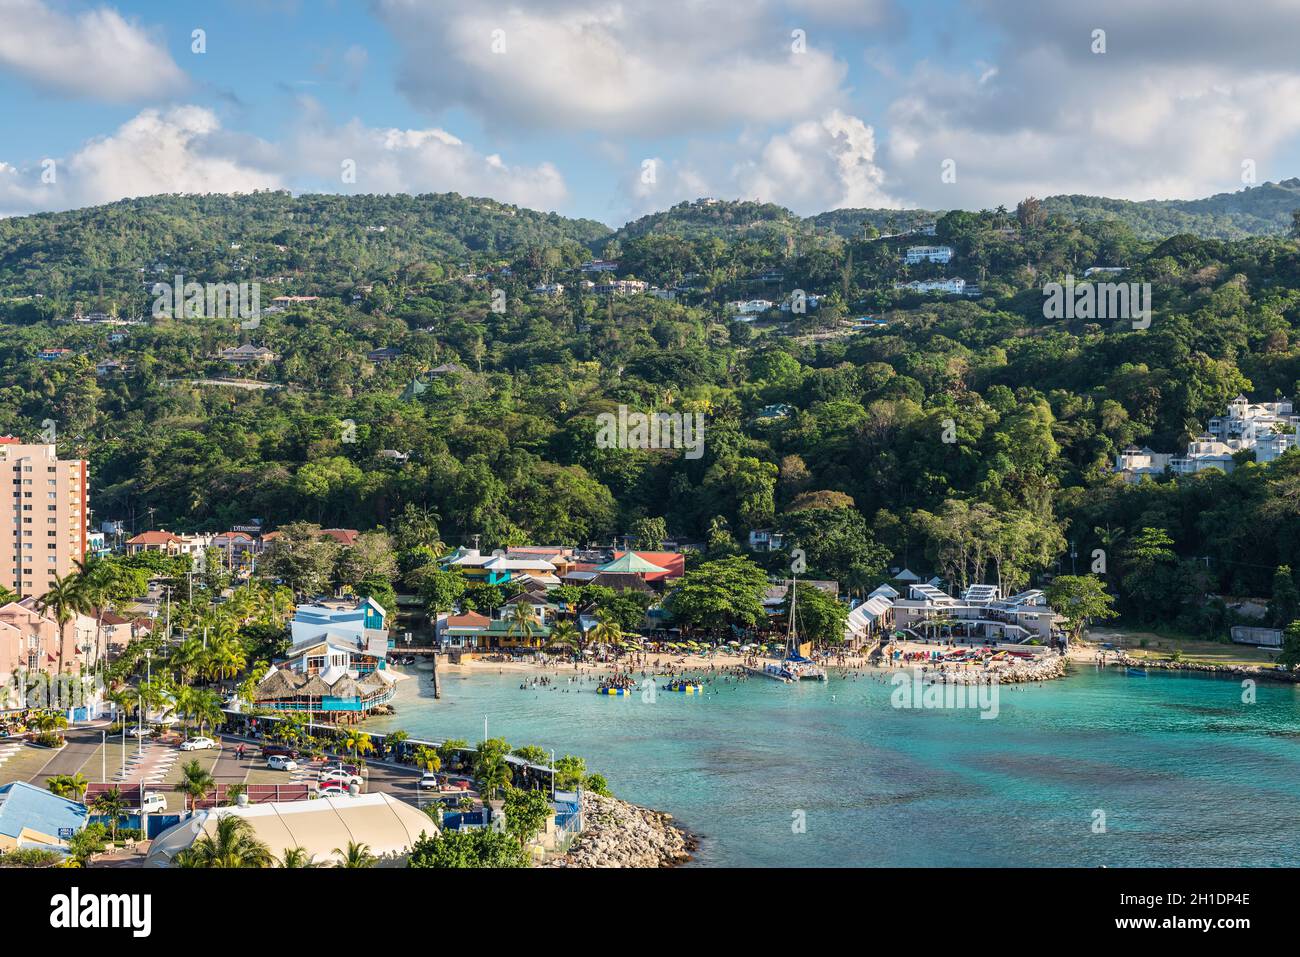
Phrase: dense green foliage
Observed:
(859, 473)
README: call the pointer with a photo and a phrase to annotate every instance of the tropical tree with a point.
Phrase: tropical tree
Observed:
(426, 759)
(297, 858)
(523, 622)
(356, 743)
(113, 806)
(356, 855)
(66, 599)
(491, 771)
(71, 786)
(566, 634)
(196, 783)
(231, 844)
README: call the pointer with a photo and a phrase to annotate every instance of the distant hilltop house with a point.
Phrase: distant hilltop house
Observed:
(779, 410)
(1105, 270)
(748, 309)
(110, 366)
(1267, 428)
(51, 355)
(386, 354)
(548, 289)
(811, 301)
(599, 265)
(765, 540)
(447, 368)
(393, 455)
(246, 355)
(932, 254)
(621, 287)
(292, 300)
(954, 287)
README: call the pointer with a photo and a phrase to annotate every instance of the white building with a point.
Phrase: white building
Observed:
(980, 613)
(954, 287)
(932, 254)
(1267, 428)
(751, 307)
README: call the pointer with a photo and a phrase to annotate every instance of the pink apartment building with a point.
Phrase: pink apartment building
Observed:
(43, 514)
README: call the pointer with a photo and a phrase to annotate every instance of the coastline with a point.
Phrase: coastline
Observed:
(620, 834)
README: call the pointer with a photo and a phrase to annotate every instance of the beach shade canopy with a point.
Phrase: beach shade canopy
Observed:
(632, 562)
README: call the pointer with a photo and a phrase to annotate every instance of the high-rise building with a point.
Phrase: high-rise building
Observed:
(43, 511)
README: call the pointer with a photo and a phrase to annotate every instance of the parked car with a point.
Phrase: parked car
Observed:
(430, 780)
(269, 750)
(140, 732)
(153, 803)
(281, 762)
(338, 774)
(198, 744)
(339, 783)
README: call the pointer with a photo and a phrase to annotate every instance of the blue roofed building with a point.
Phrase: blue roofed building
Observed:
(33, 817)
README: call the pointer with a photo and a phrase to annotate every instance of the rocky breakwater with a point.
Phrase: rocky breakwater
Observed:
(618, 834)
(1240, 671)
(1045, 668)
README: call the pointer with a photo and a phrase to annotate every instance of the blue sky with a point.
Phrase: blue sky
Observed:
(608, 110)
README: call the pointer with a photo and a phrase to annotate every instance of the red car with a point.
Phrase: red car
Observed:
(268, 750)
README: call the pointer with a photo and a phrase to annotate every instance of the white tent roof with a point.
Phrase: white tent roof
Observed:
(387, 825)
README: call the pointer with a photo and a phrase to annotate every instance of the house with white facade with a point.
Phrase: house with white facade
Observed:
(930, 254)
(980, 613)
(955, 287)
(1267, 428)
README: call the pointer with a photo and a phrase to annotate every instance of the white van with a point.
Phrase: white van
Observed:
(154, 803)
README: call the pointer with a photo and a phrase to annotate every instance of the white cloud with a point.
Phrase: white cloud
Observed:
(815, 165)
(185, 150)
(390, 160)
(1181, 97)
(96, 54)
(664, 67)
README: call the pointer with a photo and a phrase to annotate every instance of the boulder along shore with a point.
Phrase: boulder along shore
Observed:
(617, 833)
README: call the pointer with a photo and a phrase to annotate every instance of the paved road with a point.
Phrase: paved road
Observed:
(82, 743)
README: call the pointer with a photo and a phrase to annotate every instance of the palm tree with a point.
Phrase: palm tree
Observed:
(66, 599)
(113, 806)
(426, 759)
(205, 708)
(99, 580)
(567, 635)
(297, 858)
(523, 621)
(357, 855)
(357, 742)
(196, 784)
(72, 786)
(607, 631)
(490, 771)
(233, 844)
(123, 700)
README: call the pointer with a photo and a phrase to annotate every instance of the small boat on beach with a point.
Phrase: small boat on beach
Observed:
(1136, 672)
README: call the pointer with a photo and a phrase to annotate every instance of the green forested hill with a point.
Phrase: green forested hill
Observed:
(1263, 210)
(318, 241)
(962, 431)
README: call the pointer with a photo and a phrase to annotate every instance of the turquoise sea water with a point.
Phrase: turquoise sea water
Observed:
(1185, 773)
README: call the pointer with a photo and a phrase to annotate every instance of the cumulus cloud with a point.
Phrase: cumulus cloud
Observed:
(812, 166)
(1180, 98)
(664, 67)
(185, 150)
(96, 54)
(389, 160)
